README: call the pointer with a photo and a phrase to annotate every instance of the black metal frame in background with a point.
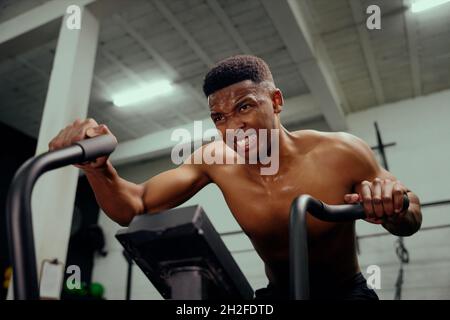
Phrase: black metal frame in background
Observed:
(129, 274)
(400, 250)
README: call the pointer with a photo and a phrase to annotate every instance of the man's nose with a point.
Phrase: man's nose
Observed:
(235, 123)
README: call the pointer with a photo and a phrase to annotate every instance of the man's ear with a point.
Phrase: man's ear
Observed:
(277, 100)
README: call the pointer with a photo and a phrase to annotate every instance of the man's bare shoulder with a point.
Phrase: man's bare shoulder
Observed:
(349, 146)
(308, 140)
(330, 141)
(335, 148)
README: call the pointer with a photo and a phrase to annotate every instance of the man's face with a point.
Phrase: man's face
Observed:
(243, 106)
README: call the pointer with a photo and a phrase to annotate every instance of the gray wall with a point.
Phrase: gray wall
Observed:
(420, 160)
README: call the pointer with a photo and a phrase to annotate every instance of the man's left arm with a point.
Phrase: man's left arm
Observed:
(381, 193)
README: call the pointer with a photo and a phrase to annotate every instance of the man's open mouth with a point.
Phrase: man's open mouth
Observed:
(247, 142)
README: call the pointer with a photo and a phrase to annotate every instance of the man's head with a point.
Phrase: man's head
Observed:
(242, 95)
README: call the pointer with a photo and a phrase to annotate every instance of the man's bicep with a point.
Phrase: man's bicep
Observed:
(173, 187)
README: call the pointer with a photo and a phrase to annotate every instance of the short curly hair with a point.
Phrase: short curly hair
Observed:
(236, 69)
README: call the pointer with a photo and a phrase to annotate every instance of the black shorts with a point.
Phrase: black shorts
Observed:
(354, 289)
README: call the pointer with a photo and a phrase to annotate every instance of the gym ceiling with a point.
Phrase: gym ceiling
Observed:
(142, 41)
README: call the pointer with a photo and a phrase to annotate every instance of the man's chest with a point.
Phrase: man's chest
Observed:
(262, 205)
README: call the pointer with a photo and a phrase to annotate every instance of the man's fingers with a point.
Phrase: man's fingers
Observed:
(348, 198)
(79, 130)
(397, 193)
(366, 195)
(376, 197)
(73, 133)
(84, 127)
(388, 203)
(374, 220)
(351, 198)
(76, 131)
(53, 144)
(104, 129)
(96, 131)
(64, 137)
(92, 132)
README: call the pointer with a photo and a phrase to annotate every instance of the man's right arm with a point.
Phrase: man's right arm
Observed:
(120, 199)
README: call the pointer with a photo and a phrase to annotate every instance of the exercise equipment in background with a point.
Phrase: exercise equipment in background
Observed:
(183, 256)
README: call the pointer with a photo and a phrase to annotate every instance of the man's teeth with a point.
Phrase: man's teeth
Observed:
(246, 141)
(242, 142)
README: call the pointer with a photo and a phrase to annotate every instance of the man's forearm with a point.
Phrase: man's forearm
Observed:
(410, 222)
(121, 200)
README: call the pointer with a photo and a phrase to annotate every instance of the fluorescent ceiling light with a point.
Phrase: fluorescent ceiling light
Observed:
(143, 93)
(422, 5)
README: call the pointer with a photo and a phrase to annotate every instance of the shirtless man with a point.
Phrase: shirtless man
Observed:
(336, 168)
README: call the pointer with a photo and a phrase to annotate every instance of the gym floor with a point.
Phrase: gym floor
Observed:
(378, 69)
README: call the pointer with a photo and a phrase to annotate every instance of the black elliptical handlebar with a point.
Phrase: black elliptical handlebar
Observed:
(298, 242)
(18, 207)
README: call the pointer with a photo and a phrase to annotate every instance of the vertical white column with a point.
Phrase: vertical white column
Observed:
(67, 99)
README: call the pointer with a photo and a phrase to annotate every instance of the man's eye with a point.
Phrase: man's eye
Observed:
(217, 118)
(244, 107)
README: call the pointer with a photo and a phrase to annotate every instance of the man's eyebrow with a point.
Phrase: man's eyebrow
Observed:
(243, 99)
(240, 98)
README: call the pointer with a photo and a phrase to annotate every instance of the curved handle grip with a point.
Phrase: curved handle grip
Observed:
(97, 147)
(346, 212)
(18, 206)
(298, 242)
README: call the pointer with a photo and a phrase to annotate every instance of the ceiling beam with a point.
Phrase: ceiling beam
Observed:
(310, 15)
(411, 34)
(290, 21)
(364, 38)
(226, 22)
(36, 17)
(193, 44)
(42, 24)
